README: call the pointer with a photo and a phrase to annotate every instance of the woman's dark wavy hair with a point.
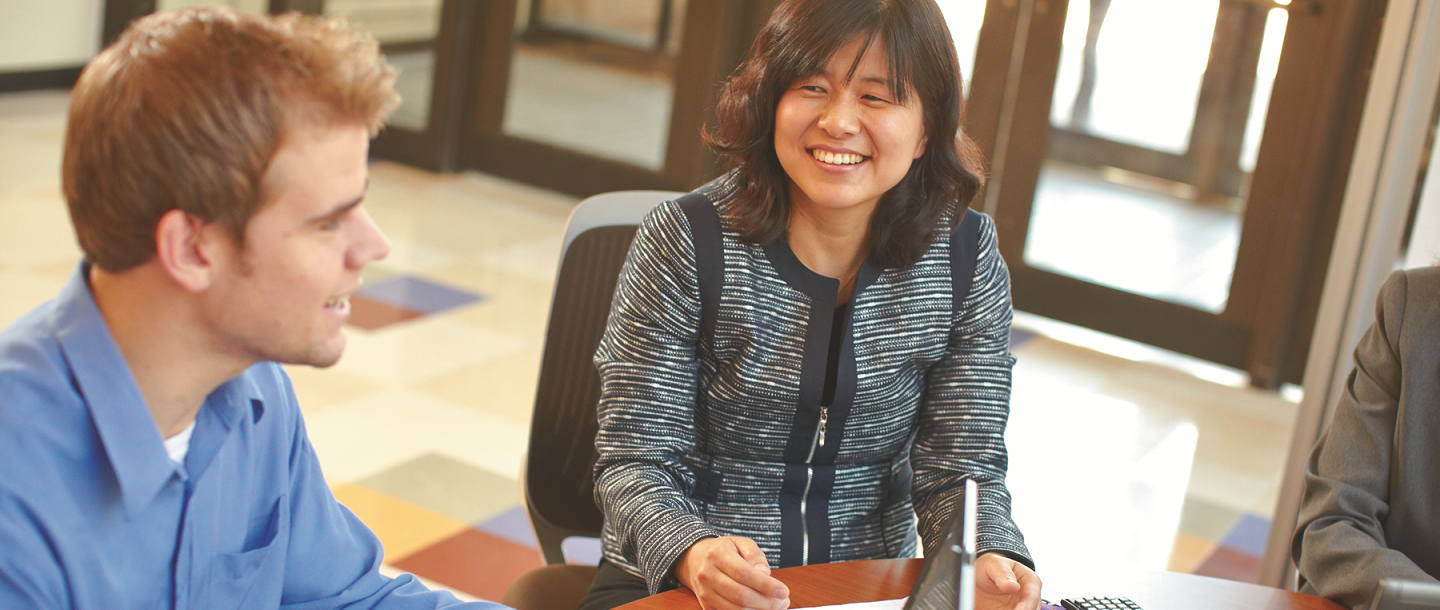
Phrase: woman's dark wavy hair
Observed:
(796, 43)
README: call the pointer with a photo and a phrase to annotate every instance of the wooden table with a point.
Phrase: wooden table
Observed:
(863, 581)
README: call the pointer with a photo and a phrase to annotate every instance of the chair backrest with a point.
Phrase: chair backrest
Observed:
(558, 478)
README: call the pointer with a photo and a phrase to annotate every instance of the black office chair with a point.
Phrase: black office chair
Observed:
(557, 478)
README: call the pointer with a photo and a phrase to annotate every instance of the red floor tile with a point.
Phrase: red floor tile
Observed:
(1230, 564)
(371, 314)
(474, 562)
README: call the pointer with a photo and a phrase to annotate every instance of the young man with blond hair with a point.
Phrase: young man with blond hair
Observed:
(152, 454)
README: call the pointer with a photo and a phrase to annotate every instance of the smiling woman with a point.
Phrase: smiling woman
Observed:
(901, 59)
(810, 354)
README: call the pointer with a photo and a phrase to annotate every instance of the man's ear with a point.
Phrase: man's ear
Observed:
(185, 248)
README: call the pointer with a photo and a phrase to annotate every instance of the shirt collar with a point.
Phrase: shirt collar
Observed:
(127, 429)
(224, 410)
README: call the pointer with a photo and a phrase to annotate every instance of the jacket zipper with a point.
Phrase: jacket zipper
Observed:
(818, 442)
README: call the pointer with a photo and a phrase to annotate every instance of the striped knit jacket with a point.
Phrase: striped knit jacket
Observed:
(711, 420)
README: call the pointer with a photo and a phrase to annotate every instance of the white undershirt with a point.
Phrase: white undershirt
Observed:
(179, 445)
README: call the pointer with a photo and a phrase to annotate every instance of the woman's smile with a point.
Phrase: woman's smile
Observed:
(834, 158)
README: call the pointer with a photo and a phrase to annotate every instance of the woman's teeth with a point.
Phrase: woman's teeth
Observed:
(338, 303)
(836, 158)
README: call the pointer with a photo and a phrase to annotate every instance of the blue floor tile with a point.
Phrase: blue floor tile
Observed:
(511, 524)
(1248, 535)
(418, 294)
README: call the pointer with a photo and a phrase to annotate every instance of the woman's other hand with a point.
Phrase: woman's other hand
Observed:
(731, 573)
(1001, 583)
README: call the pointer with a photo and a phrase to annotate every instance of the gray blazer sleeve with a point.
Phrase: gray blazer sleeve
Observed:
(1341, 545)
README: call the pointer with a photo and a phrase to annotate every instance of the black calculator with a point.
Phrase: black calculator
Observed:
(1099, 603)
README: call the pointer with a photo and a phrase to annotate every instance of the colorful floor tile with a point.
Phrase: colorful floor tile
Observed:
(1207, 519)
(447, 486)
(1248, 535)
(403, 528)
(1188, 553)
(370, 314)
(1230, 564)
(512, 524)
(418, 294)
(396, 298)
(1238, 554)
(473, 561)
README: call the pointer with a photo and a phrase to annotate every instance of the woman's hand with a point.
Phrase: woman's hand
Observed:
(1001, 583)
(731, 573)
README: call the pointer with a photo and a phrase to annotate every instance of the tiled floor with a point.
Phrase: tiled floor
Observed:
(1119, 453)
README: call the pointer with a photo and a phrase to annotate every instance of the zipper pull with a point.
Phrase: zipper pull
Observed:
(824, 417)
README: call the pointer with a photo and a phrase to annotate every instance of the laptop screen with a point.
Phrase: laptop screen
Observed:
(947, 582)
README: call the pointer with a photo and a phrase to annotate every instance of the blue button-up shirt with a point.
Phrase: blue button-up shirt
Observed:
(94, 514)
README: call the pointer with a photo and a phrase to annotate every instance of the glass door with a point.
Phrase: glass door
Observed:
(1148, 147)
(580, 96)
(407, 32)
(426, 42)
(595, 79)
(588, 96)
(1170, 172)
